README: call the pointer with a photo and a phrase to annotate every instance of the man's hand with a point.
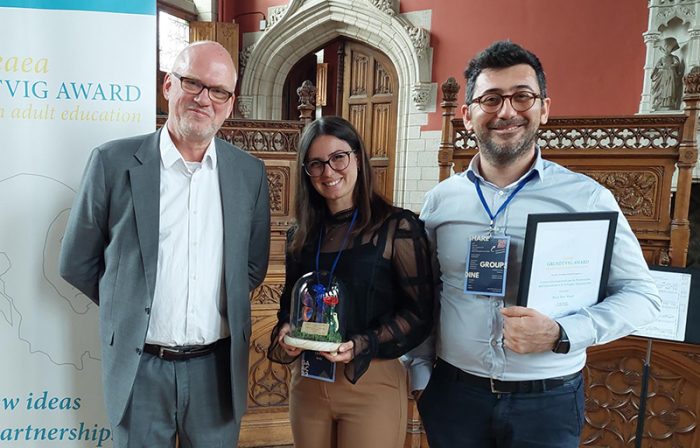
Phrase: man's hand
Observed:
(526, 330)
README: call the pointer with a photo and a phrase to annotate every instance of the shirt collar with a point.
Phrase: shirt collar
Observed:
(473, 173)
(169, 154)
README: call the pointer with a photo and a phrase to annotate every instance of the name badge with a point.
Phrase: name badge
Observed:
(487, 264)
(317, 367)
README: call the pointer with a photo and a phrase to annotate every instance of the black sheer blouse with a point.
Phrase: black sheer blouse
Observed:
(389, 277)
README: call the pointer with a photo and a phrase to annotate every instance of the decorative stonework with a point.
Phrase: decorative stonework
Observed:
(304, 24)
(243, 57)
(683, 12)
(245, 105)
(274, 14)
(420, 38)
(385, 6)
(691, 81)
(420, 94)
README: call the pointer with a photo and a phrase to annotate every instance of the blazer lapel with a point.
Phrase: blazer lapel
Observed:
(230, 184)
(145, 193)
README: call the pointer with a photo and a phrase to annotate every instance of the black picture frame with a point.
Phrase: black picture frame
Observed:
(692, 327)
(531, 234)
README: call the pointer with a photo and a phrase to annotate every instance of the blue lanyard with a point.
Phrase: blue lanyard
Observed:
(337, 257)
(507, 201)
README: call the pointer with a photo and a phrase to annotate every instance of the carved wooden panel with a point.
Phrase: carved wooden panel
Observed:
(613, 385)
(636, 191)
(592, 133)
(268, 384)
(279, 180)
(370, 104)
(359, 66)
(383, 84)
(380, 130)
(358, 117)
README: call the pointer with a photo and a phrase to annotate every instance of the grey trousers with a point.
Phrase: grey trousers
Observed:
(190, 399)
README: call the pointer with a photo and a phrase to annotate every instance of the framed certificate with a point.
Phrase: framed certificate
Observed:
(566, 261)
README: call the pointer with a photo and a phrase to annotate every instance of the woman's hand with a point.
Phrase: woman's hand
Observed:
(345, 353)
(291, 351)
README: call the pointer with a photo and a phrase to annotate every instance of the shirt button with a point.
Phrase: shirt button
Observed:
(138, 351)
(148, 310)
(494, 343)
(500, 193)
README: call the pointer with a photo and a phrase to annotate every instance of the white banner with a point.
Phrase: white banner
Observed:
(73, 74)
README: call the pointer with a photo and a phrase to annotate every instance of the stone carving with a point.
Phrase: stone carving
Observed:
(691, 81)
(682, 12)
(420, 94)
(275, 13)
(245, 105)
(420, 38)
(666, 84)
(385, 6)
(243, 59)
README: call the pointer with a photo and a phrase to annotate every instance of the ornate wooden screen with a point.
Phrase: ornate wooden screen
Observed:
(636, 158)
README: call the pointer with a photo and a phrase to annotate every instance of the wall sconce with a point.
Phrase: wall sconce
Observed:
(263, 21)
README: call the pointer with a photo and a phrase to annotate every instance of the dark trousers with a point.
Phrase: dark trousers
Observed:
(459, 414)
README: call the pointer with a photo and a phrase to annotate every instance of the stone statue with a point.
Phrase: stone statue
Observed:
(666, 79)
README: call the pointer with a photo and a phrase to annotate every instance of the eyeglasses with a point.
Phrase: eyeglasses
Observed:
(194, 87)
(338, 161)
(491, 103)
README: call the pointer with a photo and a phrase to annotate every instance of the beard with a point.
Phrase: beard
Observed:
(195, 129)
(503, 154)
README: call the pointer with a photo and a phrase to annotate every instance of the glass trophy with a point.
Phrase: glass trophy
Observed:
(317, 312)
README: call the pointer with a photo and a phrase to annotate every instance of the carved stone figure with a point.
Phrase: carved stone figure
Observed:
(666, 79)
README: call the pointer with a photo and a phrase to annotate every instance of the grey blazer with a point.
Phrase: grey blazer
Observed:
(110, 250)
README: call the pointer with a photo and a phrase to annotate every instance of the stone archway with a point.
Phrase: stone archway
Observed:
(302, 25)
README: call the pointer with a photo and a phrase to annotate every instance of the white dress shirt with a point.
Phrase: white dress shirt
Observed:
(189, 307)
(470, 331)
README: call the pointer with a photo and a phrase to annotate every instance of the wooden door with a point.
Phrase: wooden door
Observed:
(370, 86)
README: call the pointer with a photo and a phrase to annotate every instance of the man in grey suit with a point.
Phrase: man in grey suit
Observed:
(169, 233)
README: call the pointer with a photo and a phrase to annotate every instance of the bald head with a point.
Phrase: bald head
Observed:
(194, 117)
(206, 52)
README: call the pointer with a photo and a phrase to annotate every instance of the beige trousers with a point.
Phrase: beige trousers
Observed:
(369, 414)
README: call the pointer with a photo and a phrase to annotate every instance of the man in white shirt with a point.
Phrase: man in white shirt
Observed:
(508, 376)
(169, 233)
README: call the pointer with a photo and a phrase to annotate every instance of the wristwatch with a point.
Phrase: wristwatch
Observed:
(562, 345)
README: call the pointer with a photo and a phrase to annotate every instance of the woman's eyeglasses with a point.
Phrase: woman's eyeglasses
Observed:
(338, 161)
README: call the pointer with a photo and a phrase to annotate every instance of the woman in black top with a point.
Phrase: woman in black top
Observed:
(382, 257)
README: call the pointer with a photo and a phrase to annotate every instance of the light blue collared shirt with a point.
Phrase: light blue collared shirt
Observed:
(470, 329)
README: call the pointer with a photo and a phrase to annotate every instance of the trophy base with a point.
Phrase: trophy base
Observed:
(317, 346)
